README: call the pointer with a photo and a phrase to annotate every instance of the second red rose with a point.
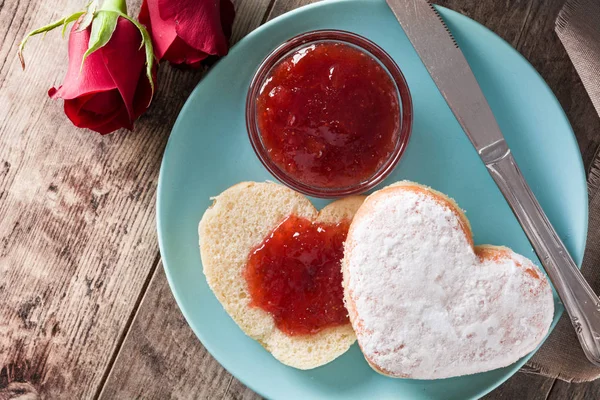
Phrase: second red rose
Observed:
(188, 31)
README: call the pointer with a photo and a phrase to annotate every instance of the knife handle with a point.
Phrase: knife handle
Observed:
(580, 301)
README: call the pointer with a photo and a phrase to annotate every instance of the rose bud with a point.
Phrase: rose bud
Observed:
(111, 74)
(188, 31)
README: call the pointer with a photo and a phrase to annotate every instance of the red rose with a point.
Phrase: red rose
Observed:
(110, 90)
(110, 79)
(188, 31)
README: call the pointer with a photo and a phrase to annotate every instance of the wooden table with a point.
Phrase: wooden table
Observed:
(85, 309)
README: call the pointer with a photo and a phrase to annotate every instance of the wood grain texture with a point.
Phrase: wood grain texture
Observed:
(505, 18)
(283, 6)
(541, 46)
(575, 391)
(161, 357)
(77, 232)
(84, 310)
(249, 16)
(523, 385)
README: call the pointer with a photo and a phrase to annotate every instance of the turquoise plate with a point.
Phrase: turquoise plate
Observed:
(208, 151)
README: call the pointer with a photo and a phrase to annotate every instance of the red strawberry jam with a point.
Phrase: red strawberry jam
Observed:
(328, 115)
(295, 275)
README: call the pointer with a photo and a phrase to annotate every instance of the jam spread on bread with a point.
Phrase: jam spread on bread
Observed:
(295, 275)
(328, 115)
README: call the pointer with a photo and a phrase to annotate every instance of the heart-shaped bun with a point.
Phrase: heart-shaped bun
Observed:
(424, 302)
(238, 221)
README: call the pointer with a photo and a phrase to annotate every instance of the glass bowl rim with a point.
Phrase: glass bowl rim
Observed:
(371, 49)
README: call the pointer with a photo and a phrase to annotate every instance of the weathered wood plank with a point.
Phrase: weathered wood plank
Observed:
(523, 385)
(506, 18)
(541, 46)
(238, 391)
(249, 15)
(161, 357)
(575, 391)
(283, 6)
(77, 235)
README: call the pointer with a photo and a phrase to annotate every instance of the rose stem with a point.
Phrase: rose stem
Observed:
(115, 5)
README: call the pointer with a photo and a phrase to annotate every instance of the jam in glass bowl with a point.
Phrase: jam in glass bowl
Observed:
(329, 113)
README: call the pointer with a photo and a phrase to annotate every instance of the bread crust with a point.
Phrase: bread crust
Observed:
(483, 252)
(238, 221)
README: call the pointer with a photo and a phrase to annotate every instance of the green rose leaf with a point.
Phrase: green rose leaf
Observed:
(61, 22)
(68, 20)
(88, 17)
(103, 27)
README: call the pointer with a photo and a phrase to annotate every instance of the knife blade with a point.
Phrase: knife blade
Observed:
(449, 69)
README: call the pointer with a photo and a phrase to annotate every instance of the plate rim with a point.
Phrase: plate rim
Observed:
(462, 19)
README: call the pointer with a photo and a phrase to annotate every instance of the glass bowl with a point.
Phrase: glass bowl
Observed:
(400, 136)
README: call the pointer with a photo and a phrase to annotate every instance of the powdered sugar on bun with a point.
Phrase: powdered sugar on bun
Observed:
(424, 302)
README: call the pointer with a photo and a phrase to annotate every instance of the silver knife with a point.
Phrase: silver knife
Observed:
(450, 71)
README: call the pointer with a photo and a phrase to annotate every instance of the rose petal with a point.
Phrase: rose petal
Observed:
(83, 112)
(125, 62)
(163, 32)
(143, 94)
(227, 17)
(103, 103)
(180, 52)
(198, 22)
(93, 77)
